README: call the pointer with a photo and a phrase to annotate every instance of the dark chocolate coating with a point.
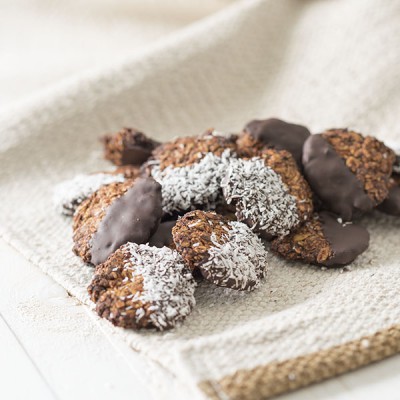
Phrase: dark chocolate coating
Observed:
(163, 235)
(347, 242)
(396, 165)
(133, 217)
(137, 148)
(391, 204)
(337, 187)
(280, 135)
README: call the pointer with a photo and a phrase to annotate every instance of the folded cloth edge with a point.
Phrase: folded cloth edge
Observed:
(269, 380)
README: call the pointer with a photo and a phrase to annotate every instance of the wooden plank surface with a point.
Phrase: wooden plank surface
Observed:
(39, 341)
(19, 376)
(75, 363)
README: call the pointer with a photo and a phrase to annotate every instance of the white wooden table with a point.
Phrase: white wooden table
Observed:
(42, 357)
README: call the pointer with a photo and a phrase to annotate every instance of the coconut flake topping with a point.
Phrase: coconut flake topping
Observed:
(240, 262)
(167, 284)
(198, 184)
(69, 194)
(262, 200)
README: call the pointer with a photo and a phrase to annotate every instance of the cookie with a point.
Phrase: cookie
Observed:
(324, 240)
(143, 287)
(273, 133)
(261, 198)
(68, 195)
(116, 214)
(190, 170)
(348, 172)
(283, 163)
(128, 146)
(227, 253)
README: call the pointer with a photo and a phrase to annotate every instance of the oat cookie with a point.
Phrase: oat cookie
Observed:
(190, 170)
(262, 199)
(143, 287)
(349, 172)
(324, 240)
(272, 133)
(227, 253)
(116, 214)
(68, 195)
(128, 146)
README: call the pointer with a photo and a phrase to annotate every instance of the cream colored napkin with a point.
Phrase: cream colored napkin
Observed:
(45, 41)
(320, 63)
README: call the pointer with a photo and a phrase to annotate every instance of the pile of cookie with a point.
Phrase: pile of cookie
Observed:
(209, 206)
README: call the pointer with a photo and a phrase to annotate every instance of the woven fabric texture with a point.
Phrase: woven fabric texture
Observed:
(321, 63)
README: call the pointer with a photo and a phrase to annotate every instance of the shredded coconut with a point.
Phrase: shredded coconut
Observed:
(260, 196)
(167, 284)
(69, 194)
(198, 184)
(240, 262)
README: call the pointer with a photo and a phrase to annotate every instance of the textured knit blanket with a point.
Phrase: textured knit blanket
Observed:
(319, 63)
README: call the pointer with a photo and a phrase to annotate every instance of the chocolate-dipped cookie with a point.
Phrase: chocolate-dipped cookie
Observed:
(128, 146)
(272, 133)
(324, 240)
(227, 253)
(348, 172)
(68, 195)
(190, 170)
(269, 193)
(116, 214)
(143, 287)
